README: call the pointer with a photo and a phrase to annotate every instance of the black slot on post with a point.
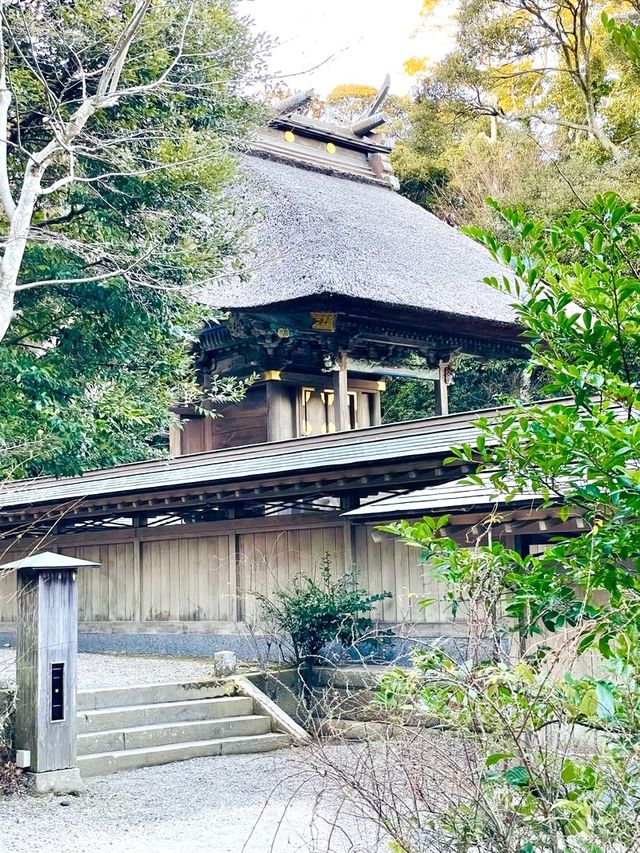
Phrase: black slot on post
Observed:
(57, 691)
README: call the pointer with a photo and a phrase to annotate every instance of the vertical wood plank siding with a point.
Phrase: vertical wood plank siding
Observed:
(392, 566)
(269, 560)
(212, 572)
(8, 591)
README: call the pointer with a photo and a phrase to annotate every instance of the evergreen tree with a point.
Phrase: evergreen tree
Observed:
(129, 220)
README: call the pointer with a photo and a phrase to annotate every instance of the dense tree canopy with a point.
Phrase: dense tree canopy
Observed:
(531, 91)
(578, 278)
(580, 312)
(537, 105)
(132, 220)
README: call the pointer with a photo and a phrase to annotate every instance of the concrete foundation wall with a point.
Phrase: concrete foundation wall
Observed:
(246, 647)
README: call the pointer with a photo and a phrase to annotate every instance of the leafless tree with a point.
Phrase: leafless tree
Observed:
(118, 54)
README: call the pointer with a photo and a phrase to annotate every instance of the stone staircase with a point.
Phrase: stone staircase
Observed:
(127, 727)
(343, 707)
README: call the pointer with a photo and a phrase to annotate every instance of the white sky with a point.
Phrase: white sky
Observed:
(326, 42)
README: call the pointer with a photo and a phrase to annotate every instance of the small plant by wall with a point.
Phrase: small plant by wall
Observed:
(9, 774)
(316, 611)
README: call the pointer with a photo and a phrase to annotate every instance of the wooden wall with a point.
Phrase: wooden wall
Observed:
(388, 565)
(275, 411)
(201, 577)
(238, 424)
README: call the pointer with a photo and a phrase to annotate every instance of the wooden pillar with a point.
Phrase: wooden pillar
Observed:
(46, 664)
(341, 394)
(280, 410)
(376, 418)
(175, 440)
(441, 389)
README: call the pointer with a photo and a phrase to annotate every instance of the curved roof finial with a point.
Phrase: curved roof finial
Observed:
(379, 99)
(294, 102)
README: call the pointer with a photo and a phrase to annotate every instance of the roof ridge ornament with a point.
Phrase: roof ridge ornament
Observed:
(379, 98)
(294, 102)
(365, 125)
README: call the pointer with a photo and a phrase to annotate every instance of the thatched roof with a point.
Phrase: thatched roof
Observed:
(321, 234)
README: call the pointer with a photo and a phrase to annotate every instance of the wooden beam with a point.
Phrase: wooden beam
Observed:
(380, 96)
(294, 102)
(430, 373)
(441, 389)
(369, 123)
(323, 380)
(341, 394)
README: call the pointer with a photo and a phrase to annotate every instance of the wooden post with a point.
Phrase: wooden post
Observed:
(341, 394)
(175, 440)
(442, 393)
(376, 415)
(280, 411)
(47, 652)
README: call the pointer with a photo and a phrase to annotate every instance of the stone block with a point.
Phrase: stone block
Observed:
(23, 758)
(56, 782)
(224, 663)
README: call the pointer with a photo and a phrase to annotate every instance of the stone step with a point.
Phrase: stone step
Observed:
(148, 694)
(141, 737)
(344, 702)
(102, 763)
(132, 716)
(353, 678)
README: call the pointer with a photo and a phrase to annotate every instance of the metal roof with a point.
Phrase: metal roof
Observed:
(49, 560)
(452, 496)
(431, 437)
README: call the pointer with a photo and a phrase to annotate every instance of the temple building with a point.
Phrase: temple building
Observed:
(349, 284)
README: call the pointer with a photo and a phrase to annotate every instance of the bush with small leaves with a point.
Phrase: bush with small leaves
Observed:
(317, 611)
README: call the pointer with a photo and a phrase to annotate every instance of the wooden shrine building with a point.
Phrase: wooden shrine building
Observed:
(349, 283)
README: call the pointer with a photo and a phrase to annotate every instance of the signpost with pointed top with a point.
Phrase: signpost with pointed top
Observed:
(46, 669)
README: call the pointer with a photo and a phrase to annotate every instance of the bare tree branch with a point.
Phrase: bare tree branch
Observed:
(6, 196)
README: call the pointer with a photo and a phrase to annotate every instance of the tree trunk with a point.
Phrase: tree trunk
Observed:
(6, 307)
(16, 243)
(598, 133)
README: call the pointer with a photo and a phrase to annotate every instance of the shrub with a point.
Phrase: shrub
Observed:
(315, 612)
(9, 774)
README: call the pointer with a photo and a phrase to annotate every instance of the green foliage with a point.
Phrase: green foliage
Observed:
(315, 612)
(478, 384)
(9, 774)
(580, 315)
(625, 35)
(88, 372)
(581, 320)
(537, 102)
(534, 780)
(539, 782)
(88, 375)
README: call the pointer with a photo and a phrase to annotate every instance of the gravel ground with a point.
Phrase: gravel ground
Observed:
(232, 804)
(236, 804)
(114, 670)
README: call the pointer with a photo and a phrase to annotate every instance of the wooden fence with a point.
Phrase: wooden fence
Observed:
(202, 577)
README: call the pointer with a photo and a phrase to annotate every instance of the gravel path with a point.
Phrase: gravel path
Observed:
(235, 804)
(113, 670)
(232, 804)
